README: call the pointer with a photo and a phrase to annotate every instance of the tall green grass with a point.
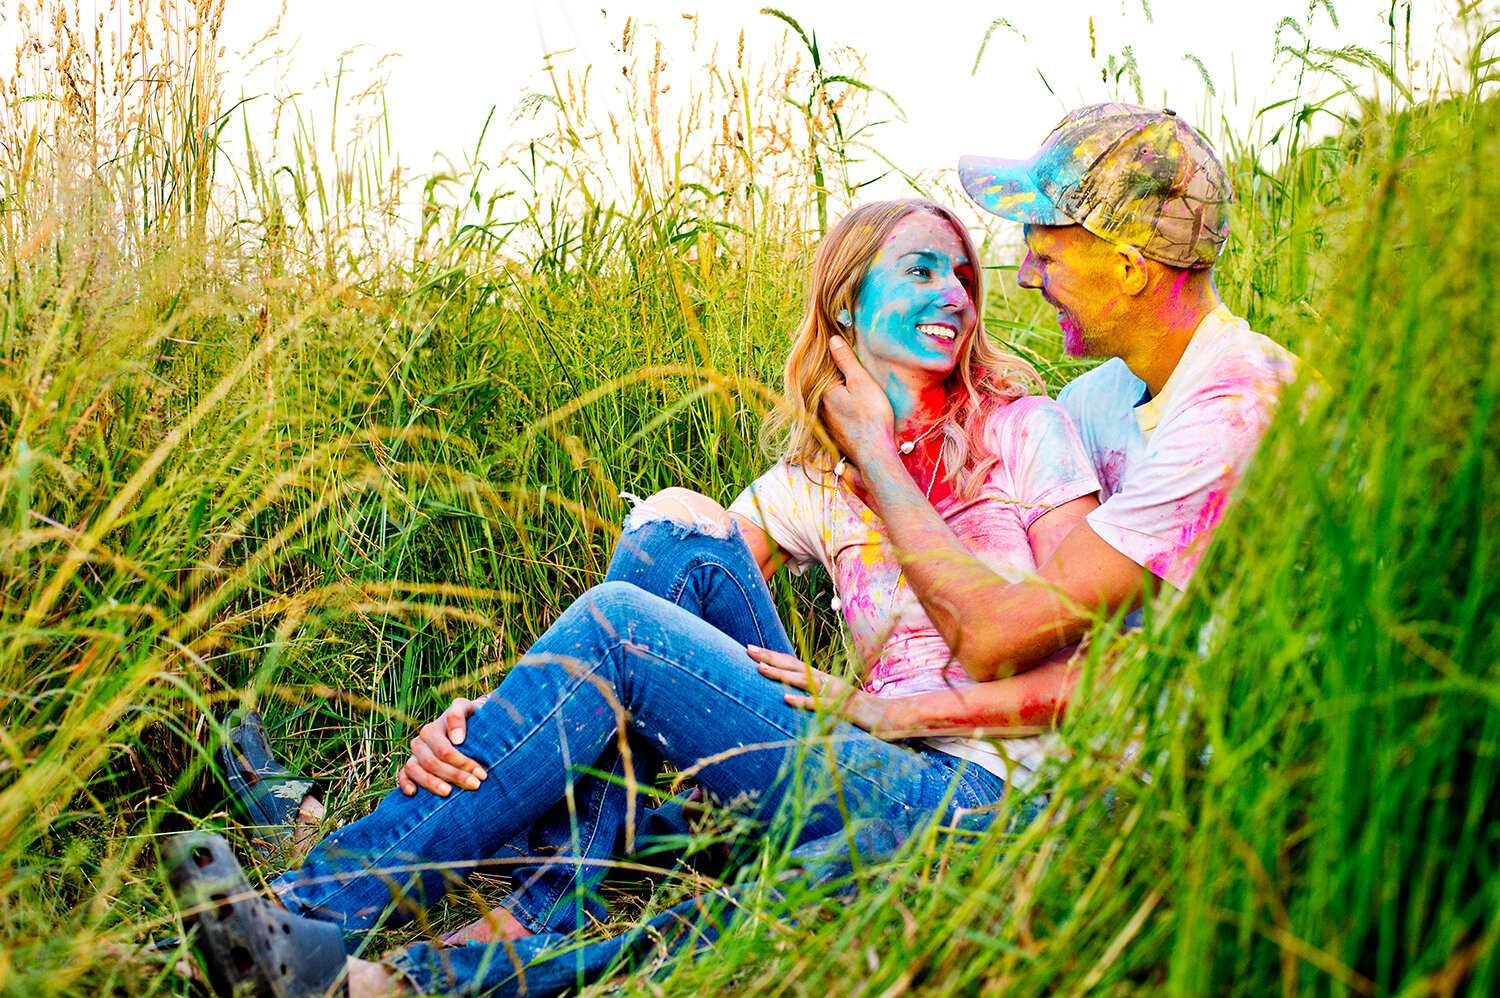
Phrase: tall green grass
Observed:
(255, 453)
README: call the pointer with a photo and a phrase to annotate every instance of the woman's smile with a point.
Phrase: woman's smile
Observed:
(941, 332)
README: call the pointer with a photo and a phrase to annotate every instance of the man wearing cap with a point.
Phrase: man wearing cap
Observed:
(1125, 211)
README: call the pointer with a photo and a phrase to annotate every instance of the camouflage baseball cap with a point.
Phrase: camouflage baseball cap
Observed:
(1127, 174)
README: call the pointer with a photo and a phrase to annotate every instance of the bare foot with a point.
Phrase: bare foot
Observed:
(375, 980)
(305, 833)
(498, 924)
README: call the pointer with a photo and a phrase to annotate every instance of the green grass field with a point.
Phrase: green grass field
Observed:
(254, 454)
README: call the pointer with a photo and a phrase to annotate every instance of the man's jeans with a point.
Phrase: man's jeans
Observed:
(823, 870)
(619, 663)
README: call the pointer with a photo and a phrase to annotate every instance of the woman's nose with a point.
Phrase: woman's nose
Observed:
(955, 295)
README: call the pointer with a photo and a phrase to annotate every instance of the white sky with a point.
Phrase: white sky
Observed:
(446, 64)
(457, 59)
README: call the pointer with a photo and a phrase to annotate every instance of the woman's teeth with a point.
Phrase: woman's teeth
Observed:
(941, 332)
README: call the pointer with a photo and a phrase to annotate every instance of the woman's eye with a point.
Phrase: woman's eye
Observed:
(922, 272)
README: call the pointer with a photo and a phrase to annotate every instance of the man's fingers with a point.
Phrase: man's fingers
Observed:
(436, 767)
(844, 358)
(457, 718)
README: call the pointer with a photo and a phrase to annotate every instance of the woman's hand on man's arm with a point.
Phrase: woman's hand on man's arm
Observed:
(435, 763)
(1024, 704)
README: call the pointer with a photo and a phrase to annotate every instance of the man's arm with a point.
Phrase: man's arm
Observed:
(995, 628)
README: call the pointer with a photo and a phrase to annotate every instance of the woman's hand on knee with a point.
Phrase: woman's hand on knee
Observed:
(435, 763)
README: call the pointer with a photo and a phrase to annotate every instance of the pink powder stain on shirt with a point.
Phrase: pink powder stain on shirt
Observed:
(1112, 472)
(1197, 527)
(892, 632)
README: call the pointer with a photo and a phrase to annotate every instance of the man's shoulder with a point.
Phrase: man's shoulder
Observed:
(1110, 386)
(1237, 354)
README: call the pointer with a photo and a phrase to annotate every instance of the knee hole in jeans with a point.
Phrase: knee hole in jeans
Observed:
(691, 510)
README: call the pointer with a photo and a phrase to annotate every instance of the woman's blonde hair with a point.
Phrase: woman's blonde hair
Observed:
(983, 379)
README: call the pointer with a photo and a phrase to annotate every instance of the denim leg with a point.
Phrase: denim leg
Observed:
(555, 964)
(717, 580)
(714, 578)
(552, 964)
(621, 655)
(558, 864)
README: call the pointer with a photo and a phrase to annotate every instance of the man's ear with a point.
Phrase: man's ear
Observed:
(1130, 266)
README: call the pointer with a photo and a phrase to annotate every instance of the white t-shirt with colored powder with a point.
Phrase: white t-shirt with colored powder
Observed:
(1168, 464)
(813, 518)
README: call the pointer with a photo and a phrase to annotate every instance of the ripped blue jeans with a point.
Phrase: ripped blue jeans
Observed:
(620, 662)
(710, 573)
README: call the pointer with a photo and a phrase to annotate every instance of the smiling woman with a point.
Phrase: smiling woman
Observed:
(1001, 467)
(893, 274)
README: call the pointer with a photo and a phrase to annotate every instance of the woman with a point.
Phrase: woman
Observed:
(1004, 469)
(961, 403)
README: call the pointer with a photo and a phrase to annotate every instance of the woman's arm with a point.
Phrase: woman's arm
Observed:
(1025, 704)
(767, 555)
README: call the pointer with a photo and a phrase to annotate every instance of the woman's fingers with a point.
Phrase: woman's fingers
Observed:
(425, 769)
(413, 776)
(791, 677)
(435, 763)
(780, 659)
(819, 689)
(784, 668)
(433, 745)
(800, 702)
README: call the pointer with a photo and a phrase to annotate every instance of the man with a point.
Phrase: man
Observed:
(1125, 212)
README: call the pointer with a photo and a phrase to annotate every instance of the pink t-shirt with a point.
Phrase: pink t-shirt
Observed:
(814, 518)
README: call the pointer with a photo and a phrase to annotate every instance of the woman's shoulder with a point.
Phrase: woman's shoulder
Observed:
(794, 478)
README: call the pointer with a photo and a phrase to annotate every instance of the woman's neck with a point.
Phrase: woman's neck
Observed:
(916, 399)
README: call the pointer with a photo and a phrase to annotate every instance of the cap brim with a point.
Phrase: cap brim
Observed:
(1005, 187)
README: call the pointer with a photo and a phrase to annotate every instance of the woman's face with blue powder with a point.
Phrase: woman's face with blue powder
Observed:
(914, 310)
